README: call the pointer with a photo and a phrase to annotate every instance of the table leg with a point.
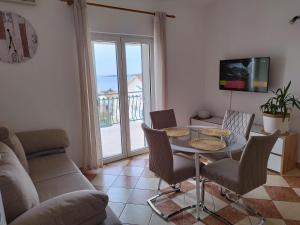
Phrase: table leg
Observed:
(197, 166)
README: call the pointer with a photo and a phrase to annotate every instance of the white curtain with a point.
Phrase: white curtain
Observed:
(90, 127)
(160, 58)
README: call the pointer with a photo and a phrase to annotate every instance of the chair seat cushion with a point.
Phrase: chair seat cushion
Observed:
(224, 172)
(184, 168)
(51, 166)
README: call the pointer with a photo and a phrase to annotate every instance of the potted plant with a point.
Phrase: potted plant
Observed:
(276, 111)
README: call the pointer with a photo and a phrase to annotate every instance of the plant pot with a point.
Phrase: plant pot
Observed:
(276, 122)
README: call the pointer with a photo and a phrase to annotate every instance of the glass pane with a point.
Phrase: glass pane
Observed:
(108, 98)
(137, 65)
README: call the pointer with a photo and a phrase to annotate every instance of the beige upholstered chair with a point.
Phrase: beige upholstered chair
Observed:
(238, 123)
(169, 167)
(163, 119)
(245, 175)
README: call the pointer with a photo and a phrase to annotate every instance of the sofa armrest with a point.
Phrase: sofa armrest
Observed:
(76, 208)
(42, 140)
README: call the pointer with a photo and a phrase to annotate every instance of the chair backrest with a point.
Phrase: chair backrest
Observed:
(160, 153)
(254, 161)
(163, 119)
(238, 122)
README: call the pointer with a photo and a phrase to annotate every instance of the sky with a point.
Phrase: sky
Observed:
(106, 63)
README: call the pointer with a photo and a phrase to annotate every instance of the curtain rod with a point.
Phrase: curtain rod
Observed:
(70, 2)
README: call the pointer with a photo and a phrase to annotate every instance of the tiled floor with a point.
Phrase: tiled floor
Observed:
(129, 184)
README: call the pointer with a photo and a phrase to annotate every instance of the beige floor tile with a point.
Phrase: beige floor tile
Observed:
(297, 190)
(103, 180)
(288, 210)
(294, 172)
(150, 183)
(136, 214)
(119, 194)
(258, 193)
(250, 220)
(117, 207)
(156, 220)
(274, 180)
(132, 171)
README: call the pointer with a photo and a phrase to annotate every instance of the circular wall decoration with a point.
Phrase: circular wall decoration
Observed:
(18, 40)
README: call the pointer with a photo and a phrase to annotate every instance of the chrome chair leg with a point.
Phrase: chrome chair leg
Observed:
(208, 211)
(153, 199)
(159, 184)
(249, 209)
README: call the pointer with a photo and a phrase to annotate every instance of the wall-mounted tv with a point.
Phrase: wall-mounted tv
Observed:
(251, 74)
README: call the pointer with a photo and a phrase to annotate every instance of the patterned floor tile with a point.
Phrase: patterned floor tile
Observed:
(293, 181)
(275, 180)
(265, 207)
(258, 193)
(282, 194)
(129, 183)
(289, 210)
(231, 214)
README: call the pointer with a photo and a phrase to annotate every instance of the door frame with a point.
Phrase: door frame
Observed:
(120, 40)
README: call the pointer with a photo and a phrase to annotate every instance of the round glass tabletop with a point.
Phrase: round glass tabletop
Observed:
(232, 142)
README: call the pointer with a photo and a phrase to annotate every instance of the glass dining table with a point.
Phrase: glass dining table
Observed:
(188, 143)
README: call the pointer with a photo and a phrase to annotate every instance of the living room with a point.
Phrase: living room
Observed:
(46, 92)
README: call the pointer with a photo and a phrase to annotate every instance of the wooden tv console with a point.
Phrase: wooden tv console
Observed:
(283, 155)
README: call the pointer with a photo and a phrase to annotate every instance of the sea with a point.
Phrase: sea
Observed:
(109, 82)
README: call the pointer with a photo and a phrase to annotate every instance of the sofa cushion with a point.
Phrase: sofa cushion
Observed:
(10, 138)
(60, 185)
(18, 191)
(76, 208)
(51, 166)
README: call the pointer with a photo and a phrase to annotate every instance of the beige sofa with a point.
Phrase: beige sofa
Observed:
(41, 185)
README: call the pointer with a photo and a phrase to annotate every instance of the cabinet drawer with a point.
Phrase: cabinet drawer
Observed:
(274, 162)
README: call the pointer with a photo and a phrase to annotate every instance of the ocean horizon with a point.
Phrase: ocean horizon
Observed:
(107, 82)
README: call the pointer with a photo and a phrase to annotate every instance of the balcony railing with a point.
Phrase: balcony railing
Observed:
(109, 108)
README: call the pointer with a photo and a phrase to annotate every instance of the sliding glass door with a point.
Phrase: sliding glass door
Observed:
(123, 69)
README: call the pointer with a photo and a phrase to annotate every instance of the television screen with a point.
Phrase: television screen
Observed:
(250, 74)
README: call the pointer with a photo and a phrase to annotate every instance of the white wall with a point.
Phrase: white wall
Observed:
(43, 92)
(185, 43)
(245, 28)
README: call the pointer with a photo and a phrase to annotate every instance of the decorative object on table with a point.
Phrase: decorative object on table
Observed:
(18, 39)
(215, 132)
(207, 144)
(203, 114)
(276, 111)
(27, 2)
(177, 131)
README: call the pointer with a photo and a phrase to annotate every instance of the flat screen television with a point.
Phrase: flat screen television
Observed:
(251, 74)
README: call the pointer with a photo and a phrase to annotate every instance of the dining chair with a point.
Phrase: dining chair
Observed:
(163, 119)
(239, 123)
(243, 176)
(169, 167)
